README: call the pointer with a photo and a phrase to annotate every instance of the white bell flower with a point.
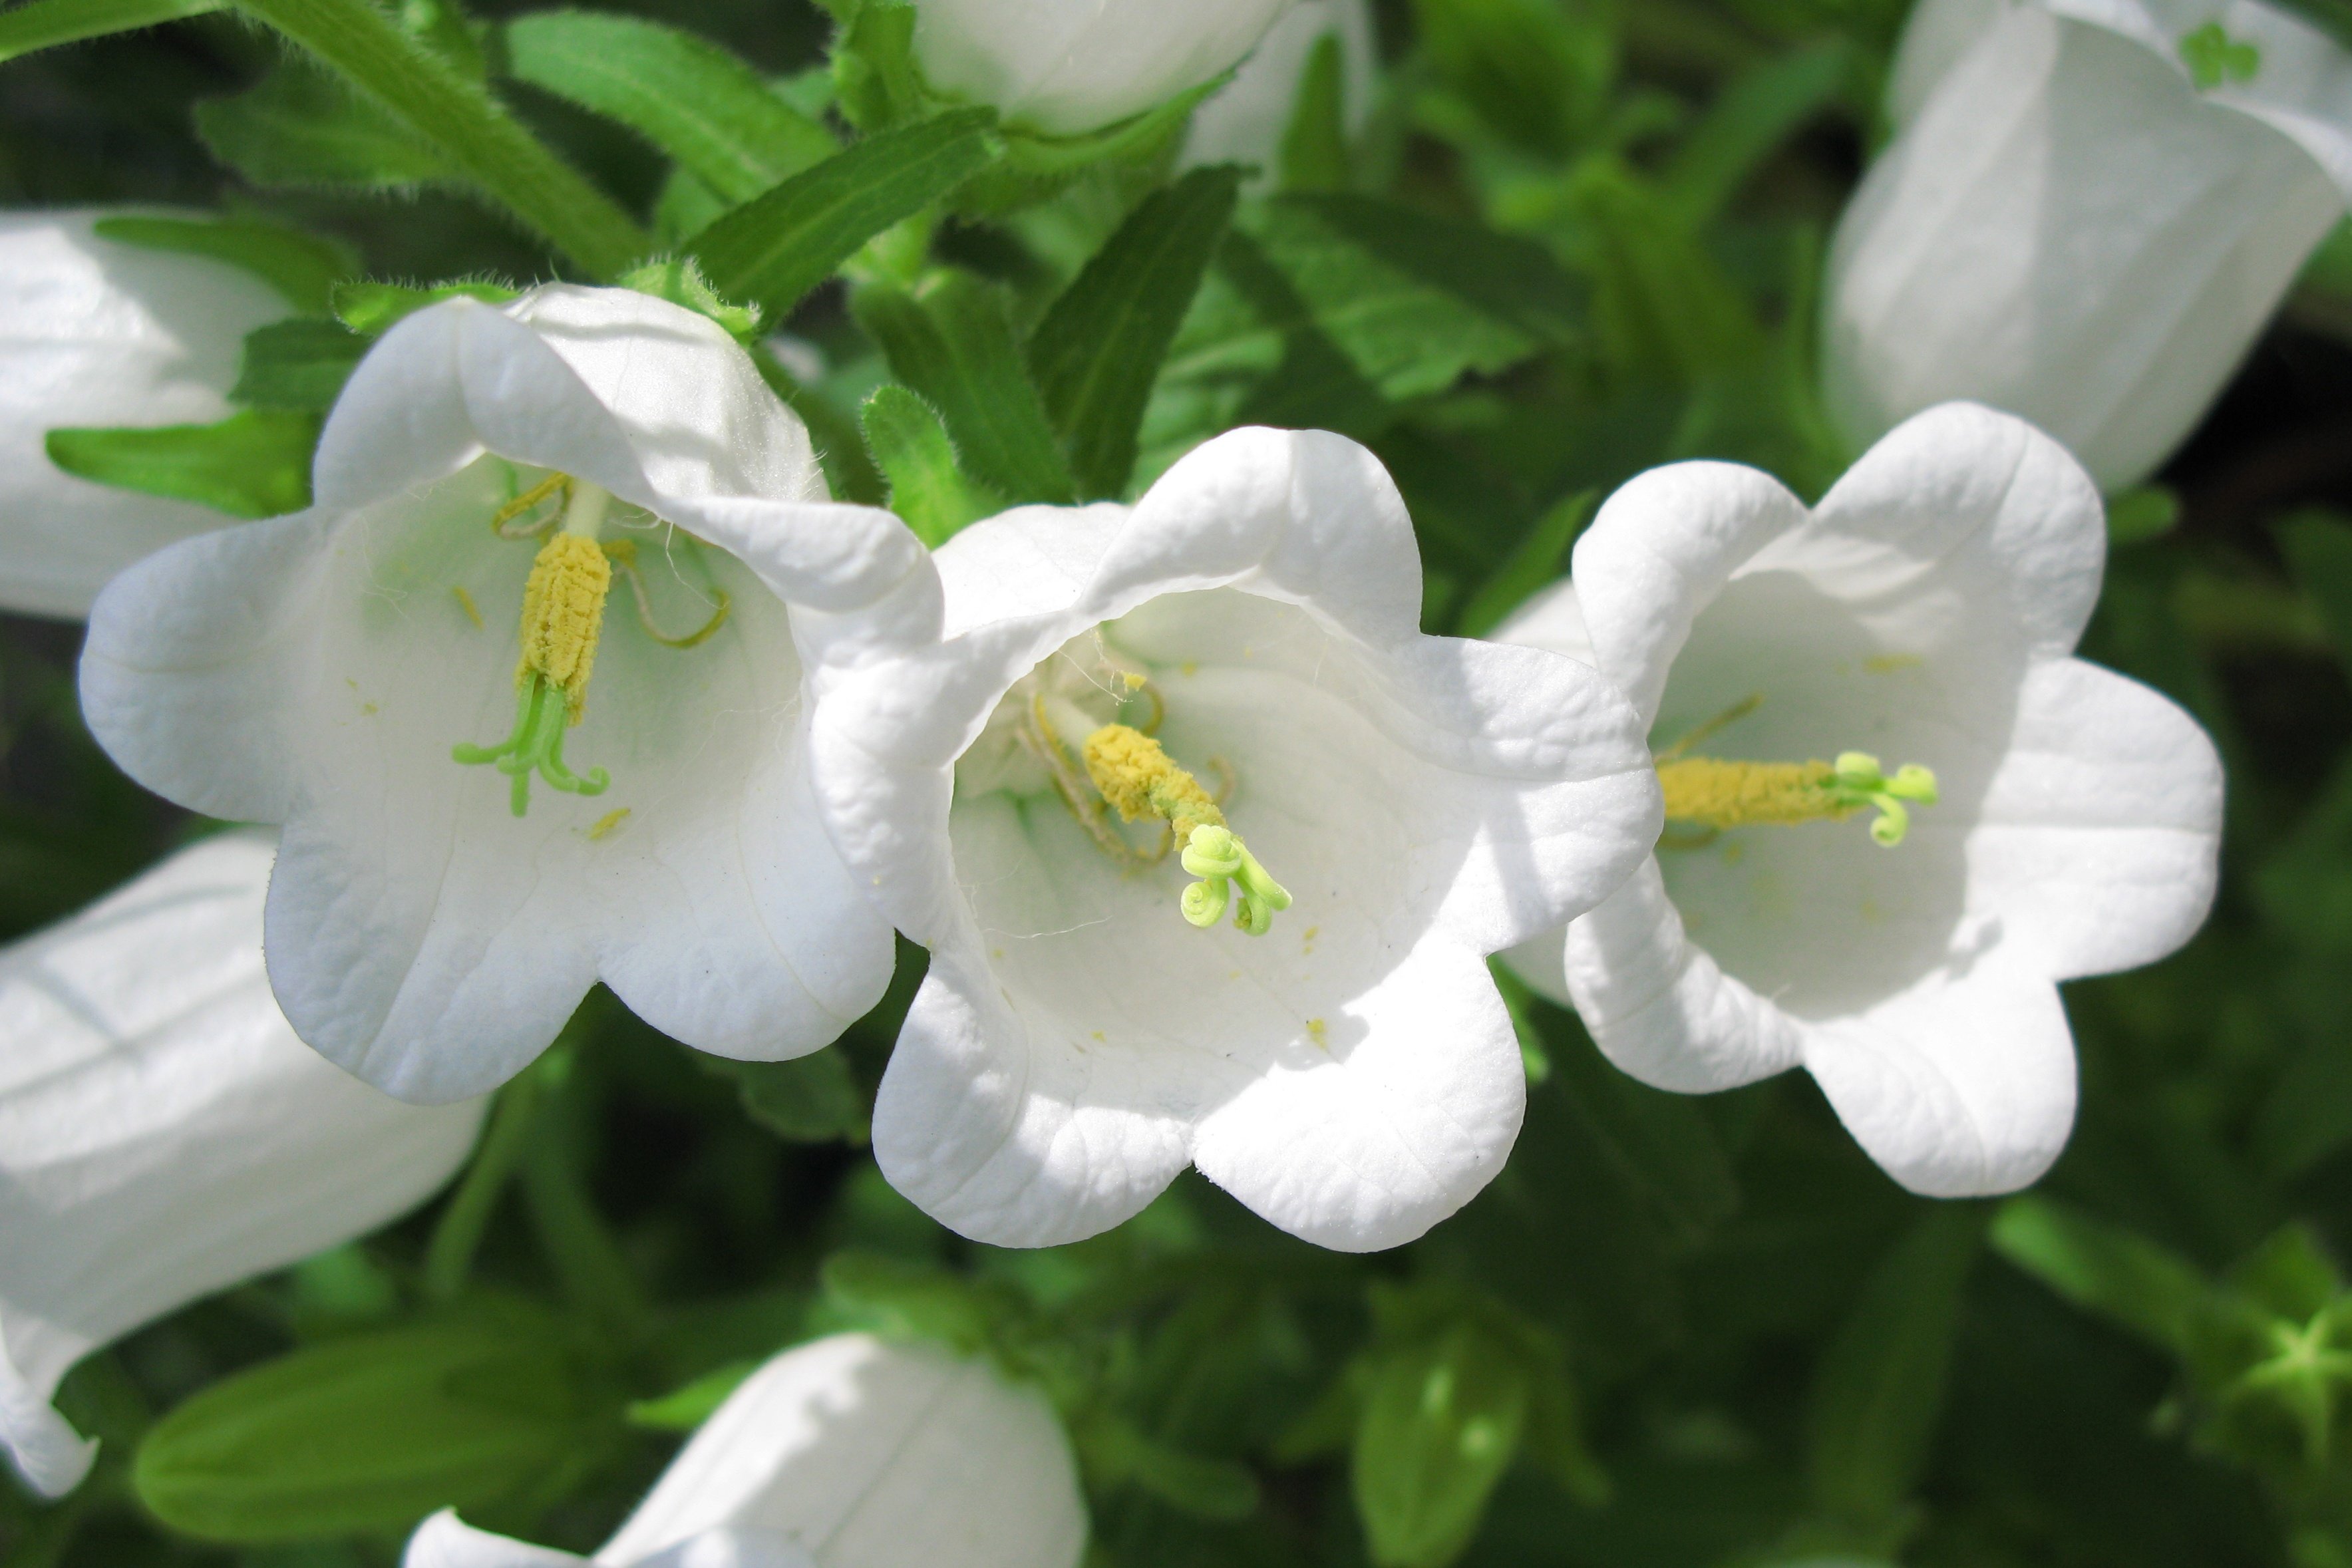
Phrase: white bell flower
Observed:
(99, 333)
(1217, 702)
(1067, 67)
(163, 1135)
(2034, 819)
(472, 840)
(848, 1452)
(1246, 121)
(2091, 210)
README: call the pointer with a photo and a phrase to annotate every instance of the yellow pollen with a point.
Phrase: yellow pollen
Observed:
(563, 616)
(1139, 777)
(607, 824)
(1718, 794)
(466, 603)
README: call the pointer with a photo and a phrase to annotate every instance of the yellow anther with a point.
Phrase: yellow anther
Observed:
(563, 617)
(523, 503)
(1717, 794)
(1139, 778)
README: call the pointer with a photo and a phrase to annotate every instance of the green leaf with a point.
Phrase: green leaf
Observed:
(374, 1432)
(2142, 512)
(929, 487)
(2102, 1269)
(1441, 1422)
(953, 343)
(812, 1099)
(2318, 549)
(1315, 142)
(684, 1409)
(1117, 1452)
(1328, 311)
(303, 267)
(1879, 1387)
(1748, 123)
(251, 465)
(299, 365)
(46, 24)
(372, 309)
(775, 249)
(1662, 304)
(1540, 559)
(699, 104)
(912, 1301)
(1536, 70)
(1099, 349)
(1661, 1146)
(298, 128)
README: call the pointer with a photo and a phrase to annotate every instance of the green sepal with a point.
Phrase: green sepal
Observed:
(298, 365)
(929, 487)
(1314, 153)
(875, 81)
(372, 309)
(684, 1409)
(812, 1099)
(251, 465)
(303, 267)
(680, 281)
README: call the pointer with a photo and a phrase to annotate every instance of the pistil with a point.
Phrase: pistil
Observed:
(1715, 793)
(1138, 777)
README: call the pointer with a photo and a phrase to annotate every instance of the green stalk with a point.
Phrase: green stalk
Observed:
(45, 24)
(449, 1256)
(467, 125)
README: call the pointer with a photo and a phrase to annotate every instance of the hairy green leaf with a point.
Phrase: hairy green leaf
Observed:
(1099, 349)
(256, 463)
(953, 343)
(701, 105)
(775, 249)
(46, 24)
(298, 127)
(372, 309)
(929, 487)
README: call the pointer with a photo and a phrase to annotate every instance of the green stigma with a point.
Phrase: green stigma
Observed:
(2214, 58)
(1858, 778)
(542, 713)
(1218, 857)
(1135, 775)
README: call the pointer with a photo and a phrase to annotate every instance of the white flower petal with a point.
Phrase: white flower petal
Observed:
(100, 334)
(1660, 1007)
(1962, 1086)
(2100, 835)
(445, 1541)
(1246, 121)
(867, 1455)
(1363, 1133)
(163, 1133)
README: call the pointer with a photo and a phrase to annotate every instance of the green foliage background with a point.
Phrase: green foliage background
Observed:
(1577, 240)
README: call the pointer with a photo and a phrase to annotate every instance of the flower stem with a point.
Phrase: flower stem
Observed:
(449, 1256)
(467, 125)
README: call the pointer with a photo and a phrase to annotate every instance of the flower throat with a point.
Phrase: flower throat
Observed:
(563, 624)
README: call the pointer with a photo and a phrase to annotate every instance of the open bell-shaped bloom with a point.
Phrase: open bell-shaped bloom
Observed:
(848, 1452)
(100, 333)
(2091, 210)
(612, 467)
(1208, 844)
(1248, 118)
(163, 1134)
(1896, 926)
(1067, 67)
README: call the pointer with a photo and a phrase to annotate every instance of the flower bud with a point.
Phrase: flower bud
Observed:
(2084, 224)
(1067, 67)
(103, 334)
(1246, 121)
